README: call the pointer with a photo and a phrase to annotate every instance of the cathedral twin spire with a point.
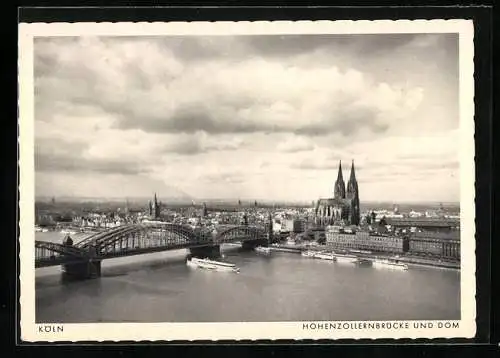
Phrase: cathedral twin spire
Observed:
(340, 187)
(339, 190)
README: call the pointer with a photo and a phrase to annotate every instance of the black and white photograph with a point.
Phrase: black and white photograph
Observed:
(317, 179)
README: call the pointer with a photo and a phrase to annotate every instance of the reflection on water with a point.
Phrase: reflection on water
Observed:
(279, 287)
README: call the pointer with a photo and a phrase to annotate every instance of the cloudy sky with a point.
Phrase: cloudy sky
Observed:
(255, 117)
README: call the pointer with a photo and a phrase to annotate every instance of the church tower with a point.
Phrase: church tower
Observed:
(270, 233)
(339, 191)
(156, 208)
(353, 194)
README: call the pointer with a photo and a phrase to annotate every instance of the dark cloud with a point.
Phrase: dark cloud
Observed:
(74, 85)
(362, 46)
(43, 63)
(185, 48)
(57, 163)
(203, 48)
(195, 117)
(289, 45)
(197, 143)
(188, 118)
(188, 146)
(346, 120)
(55, 155)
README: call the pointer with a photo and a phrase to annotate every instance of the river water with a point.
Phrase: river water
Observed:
(280, 287)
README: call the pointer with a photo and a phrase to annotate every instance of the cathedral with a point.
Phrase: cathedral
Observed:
(343, 208)
(154, 208)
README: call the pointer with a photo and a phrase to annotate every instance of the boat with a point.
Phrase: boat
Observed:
(263, 249)
(212, 265)
(364, 261)
(232, 244)
(346, 258)
(361, 251)
(323, 255)
(308, 253)
(391, 264)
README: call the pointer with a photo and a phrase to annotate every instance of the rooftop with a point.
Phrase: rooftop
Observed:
(430, 222)
(452, 235)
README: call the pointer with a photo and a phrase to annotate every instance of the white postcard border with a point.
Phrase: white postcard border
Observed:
(30, 331)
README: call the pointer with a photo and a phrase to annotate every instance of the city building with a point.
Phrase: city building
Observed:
(442, 244)
(363, 240)
(294, 225)
(425, 224)
(344, 206)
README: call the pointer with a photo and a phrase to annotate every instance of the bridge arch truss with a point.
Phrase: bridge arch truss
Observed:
(50, 254)
(240, 233)
(142, 238)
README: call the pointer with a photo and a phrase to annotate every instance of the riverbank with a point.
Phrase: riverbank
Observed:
(286, 249)
(408, 259)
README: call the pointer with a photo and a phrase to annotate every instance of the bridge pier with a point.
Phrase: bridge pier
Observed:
(252, 244)
(82, 270)
(212, 251)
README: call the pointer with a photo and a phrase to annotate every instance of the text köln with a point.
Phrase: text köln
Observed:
(50, 328)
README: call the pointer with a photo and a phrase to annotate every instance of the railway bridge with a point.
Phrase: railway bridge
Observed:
(83, 259)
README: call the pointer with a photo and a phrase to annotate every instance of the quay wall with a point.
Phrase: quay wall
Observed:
(441, 245)
(407, 258)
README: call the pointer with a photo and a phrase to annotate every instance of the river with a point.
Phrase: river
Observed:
(160, 287)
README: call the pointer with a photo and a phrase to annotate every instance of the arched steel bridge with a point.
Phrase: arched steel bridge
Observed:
(135, 239)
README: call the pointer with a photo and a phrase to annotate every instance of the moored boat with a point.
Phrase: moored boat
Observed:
(308, 253)
(212, 264)
(360, 251)
(325, 255)
(346, 258)
(263, 249)
(390, 264)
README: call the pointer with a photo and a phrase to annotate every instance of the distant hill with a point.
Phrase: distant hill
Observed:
(131, 199)
(408, 206)
(182, 199)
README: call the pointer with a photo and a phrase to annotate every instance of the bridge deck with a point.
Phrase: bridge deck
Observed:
(131, 240)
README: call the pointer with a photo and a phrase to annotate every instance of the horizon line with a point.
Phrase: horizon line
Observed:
(189, 199)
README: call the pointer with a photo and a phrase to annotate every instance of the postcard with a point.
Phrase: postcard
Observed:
(246, 180)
